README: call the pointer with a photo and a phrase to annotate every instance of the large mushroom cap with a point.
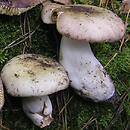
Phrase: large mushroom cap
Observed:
(33, 75)
(16, 7)
(1, 95)
(89, 23)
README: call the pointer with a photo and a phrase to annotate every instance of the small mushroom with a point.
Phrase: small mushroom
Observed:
(80, 25)
(49, 7)
(47, 11)
(33, 77)
(1, 94)
(16, 7)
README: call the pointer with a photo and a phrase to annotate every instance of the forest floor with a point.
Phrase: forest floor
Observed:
(28, 34)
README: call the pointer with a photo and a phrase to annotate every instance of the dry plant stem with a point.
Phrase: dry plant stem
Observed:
(12, 43)
(122, 42)
(24, 31)
(110, 60)
(118, 112)
(104, 3)
(126, 21)
(92, 119)
(100, 3)
(62, 116)
(107, 1)
(65, 105)
(19, 40)
(27, 44)
(125, 93)
(96, 122)
(58, 105)
(65, 123)
(29, 30)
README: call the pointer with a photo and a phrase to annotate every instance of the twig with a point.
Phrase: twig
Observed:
(29, 30)
(123, 39)
(24, 31)
(96, 124)
(100, 3)
(104, 3)
(14, 43)
(65, 105)
(119, 110)
(110, 60)
(122, 42)
(107, 1)
(88, 123)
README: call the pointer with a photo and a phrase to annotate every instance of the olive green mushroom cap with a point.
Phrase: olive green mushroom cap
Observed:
(16, 7)
(89, 23)
(1, 95)
(33, 75)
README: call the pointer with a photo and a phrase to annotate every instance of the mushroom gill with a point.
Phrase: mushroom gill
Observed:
(16, 7)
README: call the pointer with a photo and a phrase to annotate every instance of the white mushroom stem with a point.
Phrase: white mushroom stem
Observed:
(86, 73)
(38, 109)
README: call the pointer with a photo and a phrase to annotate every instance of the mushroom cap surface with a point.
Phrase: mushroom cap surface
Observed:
(33, 75)
(47, 12)
(16, 7)
(89, 23)
(1, 94)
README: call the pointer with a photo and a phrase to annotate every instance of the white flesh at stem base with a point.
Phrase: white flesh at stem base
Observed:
(87, 75)
(38, 109)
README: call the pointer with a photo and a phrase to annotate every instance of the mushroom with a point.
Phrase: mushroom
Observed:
(1, 94)
(16, 7)
(80, 25)
(33, 77)
(48, 8)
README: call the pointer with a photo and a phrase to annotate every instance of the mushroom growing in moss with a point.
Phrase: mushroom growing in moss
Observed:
(16, 7)
(80, 25)
(33, 77)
